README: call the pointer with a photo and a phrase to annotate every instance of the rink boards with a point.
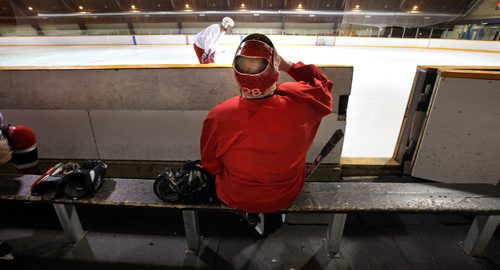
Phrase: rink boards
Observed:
(152, 113)
(155, 113)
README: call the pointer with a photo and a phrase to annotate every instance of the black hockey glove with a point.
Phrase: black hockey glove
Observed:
(191, 184)
(164, 186)
(195, 183)
(51, 183)
(86, 180)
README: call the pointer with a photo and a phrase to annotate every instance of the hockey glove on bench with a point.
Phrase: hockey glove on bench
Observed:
(74, 180)
(190, 184)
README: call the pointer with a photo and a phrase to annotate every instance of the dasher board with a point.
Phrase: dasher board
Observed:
(141, 113)
(460, 142)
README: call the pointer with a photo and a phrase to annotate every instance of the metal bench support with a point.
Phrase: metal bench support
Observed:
(68, 217)
(480, 233)
(192, 229)
(334, 233)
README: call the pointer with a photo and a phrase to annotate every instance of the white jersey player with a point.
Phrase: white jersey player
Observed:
(205, 42)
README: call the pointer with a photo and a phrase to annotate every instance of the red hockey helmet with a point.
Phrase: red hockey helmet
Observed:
(256, 66)
(22, 138)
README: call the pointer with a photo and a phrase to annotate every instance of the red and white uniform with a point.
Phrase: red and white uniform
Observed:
(257, 148)
(22, 142)
(206, 41)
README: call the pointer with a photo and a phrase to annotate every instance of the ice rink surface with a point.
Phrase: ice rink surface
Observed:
(381, 83)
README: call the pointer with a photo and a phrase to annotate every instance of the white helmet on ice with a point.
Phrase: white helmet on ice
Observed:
(226, 22)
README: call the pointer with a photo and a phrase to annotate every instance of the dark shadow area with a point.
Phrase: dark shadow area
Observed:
(55, 264)
(320, 260)
(28, 215)
(107, 188)
(10, 185)
(370, 241)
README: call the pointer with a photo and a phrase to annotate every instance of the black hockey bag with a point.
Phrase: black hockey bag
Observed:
(190, 184)
(51, 184)
(85, 180)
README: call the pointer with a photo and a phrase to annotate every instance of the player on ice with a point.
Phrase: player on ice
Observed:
(206, 41)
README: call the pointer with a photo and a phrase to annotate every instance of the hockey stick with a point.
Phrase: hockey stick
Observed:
(336, 137)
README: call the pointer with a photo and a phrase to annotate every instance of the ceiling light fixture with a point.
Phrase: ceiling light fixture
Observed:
(187, 6)
(30, 8)
(80, 7)
(299, 6)
(242, 6)
(132, 6)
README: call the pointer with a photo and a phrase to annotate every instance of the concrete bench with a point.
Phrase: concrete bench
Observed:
(334, 198)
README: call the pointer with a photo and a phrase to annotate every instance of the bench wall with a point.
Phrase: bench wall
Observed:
(132, 113)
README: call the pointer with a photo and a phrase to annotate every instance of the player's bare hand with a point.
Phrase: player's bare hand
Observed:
(285, 64)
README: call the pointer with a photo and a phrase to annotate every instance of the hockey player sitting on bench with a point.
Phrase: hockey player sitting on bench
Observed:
(255, 144)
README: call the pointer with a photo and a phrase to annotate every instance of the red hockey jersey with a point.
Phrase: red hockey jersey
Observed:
(257, 148)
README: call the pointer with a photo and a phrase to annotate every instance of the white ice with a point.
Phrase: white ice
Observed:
(381, 83)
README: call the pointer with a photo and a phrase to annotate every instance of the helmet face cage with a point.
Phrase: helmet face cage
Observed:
(250, 65)
(256, 85)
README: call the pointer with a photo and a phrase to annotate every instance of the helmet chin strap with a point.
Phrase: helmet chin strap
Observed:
(267, 93)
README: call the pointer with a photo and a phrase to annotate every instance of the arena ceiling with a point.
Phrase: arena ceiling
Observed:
(367, 12)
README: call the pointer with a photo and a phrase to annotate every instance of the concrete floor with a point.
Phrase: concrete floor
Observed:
(381, 84)
(125, 238)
